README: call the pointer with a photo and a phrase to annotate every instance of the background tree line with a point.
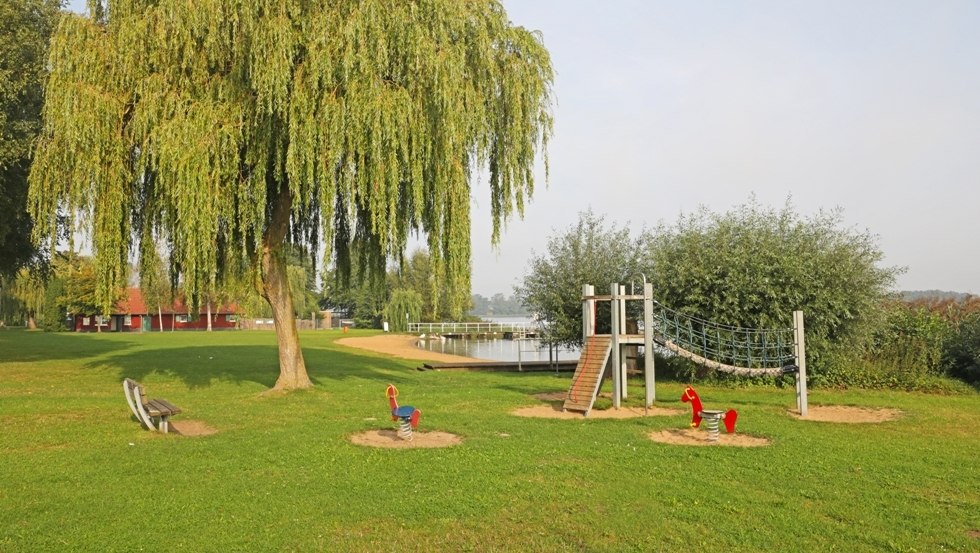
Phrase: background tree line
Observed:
(752, 267)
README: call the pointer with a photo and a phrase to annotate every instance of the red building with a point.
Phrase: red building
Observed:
(131, 314)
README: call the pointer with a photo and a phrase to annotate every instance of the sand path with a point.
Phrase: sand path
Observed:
(400, 345)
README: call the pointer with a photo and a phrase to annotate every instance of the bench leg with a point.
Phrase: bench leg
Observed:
(164, 424)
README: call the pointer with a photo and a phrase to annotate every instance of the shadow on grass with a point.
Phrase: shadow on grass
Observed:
(24, 346)
(199, 366)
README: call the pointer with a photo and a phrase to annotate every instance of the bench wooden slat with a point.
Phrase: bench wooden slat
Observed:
(160, 408)
(170, 406)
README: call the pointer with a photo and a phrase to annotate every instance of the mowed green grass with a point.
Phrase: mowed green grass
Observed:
(77, 473)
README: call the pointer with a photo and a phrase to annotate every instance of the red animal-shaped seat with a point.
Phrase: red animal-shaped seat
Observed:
(690, 396)
(406, 415)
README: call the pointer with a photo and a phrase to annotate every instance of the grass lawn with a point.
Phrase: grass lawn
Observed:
(77, 473)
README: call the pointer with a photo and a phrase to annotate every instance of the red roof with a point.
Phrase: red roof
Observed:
(132, 303)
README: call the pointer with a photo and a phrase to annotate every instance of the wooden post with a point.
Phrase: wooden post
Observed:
(622, 329)
(614, 353)
(798, 337)
(648, 374)
(588, 312)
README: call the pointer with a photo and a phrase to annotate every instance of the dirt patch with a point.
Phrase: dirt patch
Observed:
(698, 437)
(404, 346)
(975, 534)
(186, 427)
(847, 414)
(390, 439)
(554, 411)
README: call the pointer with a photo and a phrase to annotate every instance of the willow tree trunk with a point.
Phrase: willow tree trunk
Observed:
(275, 290)
(209, 315)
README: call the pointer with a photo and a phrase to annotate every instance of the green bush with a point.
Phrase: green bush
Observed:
(592, 251)
(753, 266)
(962, 352)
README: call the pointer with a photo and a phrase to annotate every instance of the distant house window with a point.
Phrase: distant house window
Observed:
(99, 321)
(183, 318)
(86, 321)
(128, 320)
(231, 318)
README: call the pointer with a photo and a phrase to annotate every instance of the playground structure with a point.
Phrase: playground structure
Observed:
(728, 349)
(406, 415)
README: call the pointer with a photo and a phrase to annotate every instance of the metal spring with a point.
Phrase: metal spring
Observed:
(711, 420)
(405, 430)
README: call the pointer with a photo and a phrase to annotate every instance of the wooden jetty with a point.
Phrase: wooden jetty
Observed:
(511, 366)
(477, 330)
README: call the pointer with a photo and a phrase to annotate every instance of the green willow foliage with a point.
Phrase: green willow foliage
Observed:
(754, 266)
(25, 29)
(405, 306)
(195, 123)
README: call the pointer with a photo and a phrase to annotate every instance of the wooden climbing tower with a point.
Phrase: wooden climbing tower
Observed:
(729, 349)
(588, 374)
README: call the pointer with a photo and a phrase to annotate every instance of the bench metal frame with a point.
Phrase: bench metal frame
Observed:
(146, 410)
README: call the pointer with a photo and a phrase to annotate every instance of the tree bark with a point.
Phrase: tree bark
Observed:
(275, 290)
(209, 315)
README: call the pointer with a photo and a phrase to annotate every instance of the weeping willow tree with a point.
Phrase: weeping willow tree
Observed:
(227, 129)
(404, 305)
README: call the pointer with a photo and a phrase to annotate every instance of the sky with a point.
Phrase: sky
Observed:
(661, 107)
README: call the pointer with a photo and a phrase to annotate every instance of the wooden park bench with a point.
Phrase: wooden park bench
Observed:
(146, 410)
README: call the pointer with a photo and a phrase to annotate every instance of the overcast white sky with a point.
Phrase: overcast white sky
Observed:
(871, 106)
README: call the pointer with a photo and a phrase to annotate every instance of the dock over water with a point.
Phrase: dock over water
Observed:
(459, 330)
(510, 366)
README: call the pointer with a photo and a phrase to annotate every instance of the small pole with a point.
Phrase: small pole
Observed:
(518, 342)
(800, 348)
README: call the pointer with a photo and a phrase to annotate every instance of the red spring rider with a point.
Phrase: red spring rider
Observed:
(690, 396)
(406, 415)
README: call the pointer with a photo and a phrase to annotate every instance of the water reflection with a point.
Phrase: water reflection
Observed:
(499, 349)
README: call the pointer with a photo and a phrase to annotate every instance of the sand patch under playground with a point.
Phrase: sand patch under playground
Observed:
(390, 439)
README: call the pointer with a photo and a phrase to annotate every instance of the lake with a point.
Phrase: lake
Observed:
(499, 349)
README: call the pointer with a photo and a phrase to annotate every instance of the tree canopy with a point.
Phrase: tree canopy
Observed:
(753, 266)
(588, 252)
(25, 28)
(226, 129)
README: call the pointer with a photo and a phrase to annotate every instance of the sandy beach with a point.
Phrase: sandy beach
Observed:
(400, 345)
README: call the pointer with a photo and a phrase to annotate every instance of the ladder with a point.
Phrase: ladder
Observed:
(588, 374)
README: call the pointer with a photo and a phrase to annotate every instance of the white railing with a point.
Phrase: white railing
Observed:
(472, 328)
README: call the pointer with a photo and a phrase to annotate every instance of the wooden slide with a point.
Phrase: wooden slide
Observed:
(588, 374)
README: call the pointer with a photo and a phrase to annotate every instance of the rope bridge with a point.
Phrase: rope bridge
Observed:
(728, 349)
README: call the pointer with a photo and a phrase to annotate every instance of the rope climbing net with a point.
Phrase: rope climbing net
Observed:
(729, 349)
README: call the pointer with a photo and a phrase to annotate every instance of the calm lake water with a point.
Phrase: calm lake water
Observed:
(499, 349)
